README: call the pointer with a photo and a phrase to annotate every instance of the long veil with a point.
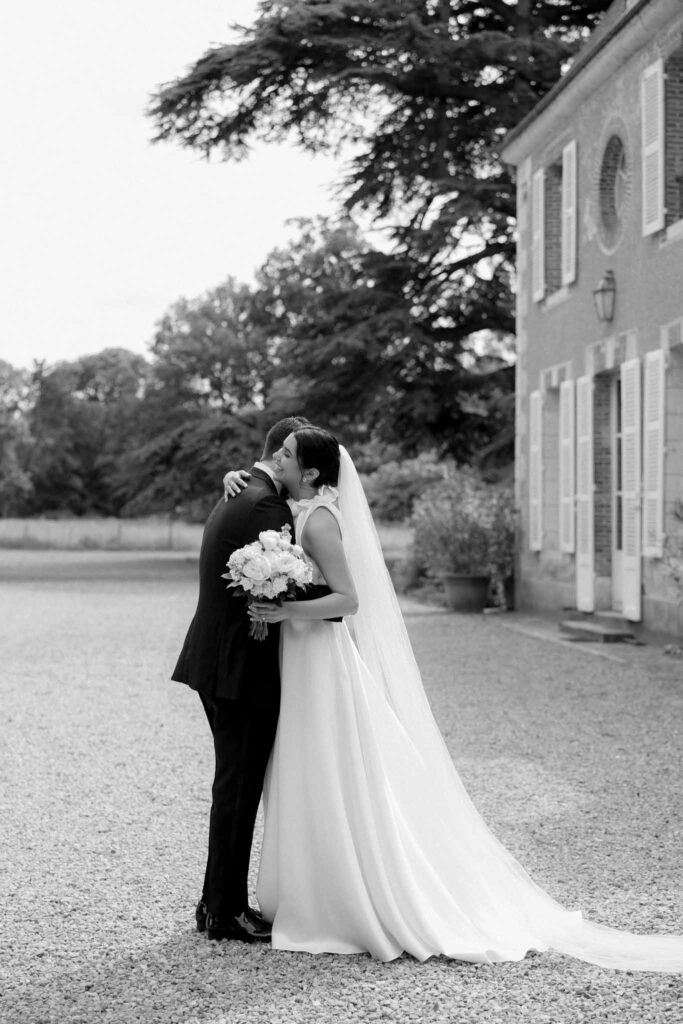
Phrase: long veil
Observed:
(520, 906)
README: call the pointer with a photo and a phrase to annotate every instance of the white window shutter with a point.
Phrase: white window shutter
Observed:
(569, 203)
(631, 487)
(567, 469)
(535, 471)
(538, 235)
(585, 496)
(653, 453)
(652, 135)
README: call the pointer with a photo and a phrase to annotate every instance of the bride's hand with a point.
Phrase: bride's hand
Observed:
(234, 481)
(268, 611)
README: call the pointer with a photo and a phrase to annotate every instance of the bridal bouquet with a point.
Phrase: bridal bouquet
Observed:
(270, 568)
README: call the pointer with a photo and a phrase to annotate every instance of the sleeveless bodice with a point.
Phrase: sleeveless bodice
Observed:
(301, 510)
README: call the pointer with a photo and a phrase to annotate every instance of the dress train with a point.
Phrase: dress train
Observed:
(371, 843)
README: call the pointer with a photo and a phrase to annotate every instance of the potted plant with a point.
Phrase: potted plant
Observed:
(502, 546)
(673, 552)
(453, 523)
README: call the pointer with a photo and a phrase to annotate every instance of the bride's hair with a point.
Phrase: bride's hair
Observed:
(318, 449)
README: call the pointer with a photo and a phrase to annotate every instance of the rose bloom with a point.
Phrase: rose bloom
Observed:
(270, 539)
(257, 568)
(287, 564)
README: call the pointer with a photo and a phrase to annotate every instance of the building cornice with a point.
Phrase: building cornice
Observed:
(631, 33)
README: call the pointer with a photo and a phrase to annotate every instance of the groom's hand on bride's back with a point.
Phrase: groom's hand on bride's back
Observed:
(234, 481)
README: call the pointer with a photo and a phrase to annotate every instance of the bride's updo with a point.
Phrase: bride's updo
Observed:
(318, 449)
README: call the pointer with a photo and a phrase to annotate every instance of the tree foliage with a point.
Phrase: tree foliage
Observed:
(179, 470)
(420, 93)
(207, 352)
(15, 483)
(81, 419)
(355, 352)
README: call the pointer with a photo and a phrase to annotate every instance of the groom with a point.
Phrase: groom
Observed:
(238, 682)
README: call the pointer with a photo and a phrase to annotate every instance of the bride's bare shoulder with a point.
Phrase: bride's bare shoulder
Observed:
(322, 526)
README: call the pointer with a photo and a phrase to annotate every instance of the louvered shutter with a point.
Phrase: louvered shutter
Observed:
(569, 194)
(652, 135)
(631, 484)
(538, 235)
(535, 471)
(567, 474)
(653, 453)
(585, 498)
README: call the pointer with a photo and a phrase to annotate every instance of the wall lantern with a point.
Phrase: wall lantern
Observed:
(604, 296)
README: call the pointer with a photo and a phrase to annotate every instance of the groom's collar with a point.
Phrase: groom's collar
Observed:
(266, 471)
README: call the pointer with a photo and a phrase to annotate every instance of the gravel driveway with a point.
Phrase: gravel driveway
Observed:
(573, 758)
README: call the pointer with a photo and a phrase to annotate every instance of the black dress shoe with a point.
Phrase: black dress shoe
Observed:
(245, 927)
(200, 916)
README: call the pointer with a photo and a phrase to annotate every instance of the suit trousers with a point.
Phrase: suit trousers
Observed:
(243, 739)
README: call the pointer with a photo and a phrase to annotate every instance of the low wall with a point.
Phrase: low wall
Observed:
(101, 534)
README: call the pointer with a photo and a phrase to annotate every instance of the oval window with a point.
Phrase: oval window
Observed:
(613, 190)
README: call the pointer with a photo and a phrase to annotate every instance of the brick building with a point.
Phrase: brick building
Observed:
(599, 419)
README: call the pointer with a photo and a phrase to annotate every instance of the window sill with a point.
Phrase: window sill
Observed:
(556, 298)
(673, 233)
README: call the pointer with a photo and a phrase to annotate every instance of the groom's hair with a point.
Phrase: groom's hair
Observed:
(279, 431)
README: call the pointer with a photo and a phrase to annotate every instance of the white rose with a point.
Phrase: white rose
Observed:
(270, 539)
(287, 563)
(257, 568)
(297, 550)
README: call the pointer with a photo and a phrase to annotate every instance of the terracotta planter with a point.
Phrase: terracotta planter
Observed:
(466, 593)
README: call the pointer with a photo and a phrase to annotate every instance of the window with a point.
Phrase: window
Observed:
(673, 128)
(662, 137)
(553, 227)
(613, 191)
(553, 224)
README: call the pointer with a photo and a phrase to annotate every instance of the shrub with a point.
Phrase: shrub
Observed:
(673, 552)
(394, 486)
(465, 526)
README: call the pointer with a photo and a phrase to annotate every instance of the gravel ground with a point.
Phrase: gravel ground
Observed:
(573, 757)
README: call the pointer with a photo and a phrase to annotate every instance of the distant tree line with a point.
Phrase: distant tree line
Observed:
(325, 333)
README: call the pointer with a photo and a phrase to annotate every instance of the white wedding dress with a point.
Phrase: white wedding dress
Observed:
(371, 843)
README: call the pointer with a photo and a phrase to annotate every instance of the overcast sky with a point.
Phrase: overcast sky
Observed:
(101, 231)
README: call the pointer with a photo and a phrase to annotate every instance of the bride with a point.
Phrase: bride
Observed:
(371, 843)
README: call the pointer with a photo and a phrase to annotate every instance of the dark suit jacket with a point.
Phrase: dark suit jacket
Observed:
(218, 658)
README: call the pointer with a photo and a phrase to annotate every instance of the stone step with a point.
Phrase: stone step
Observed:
(598, 632)
(615, 620)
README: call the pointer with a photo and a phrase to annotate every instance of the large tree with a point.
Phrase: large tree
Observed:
(420, 93)
(83, 416)
(203, 408)
(208, 354)
(352, 350)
